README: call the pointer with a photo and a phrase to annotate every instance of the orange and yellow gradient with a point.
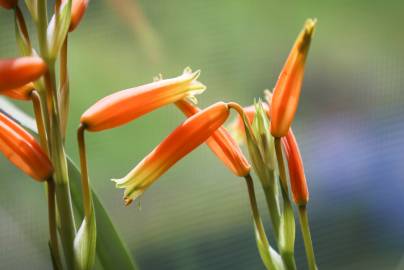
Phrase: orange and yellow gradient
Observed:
(190, 134)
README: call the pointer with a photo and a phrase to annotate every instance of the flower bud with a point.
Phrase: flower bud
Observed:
(265, 141)
(237, 126)
(21, 93)
(298, 181)
(185, 138)
(8, 4)
(221, 143)
(17, 72)
(23, 151)
(287, 89)
(79, 7)
(124, 106)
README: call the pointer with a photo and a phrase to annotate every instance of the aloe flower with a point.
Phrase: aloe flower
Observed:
(126, 105)
(23, 151)
(288, 87)
(221, 143)
(298, 181)
(185, 138)
(16, 72)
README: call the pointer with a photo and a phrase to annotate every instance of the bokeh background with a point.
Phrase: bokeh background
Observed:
(349, 126)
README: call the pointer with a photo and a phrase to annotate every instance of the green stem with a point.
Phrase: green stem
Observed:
(36, 102)
(54, 246)
(84, 172)
(308, 244)
(273, 207)
(262, 237)
(64, 203)
(52, 225)
(42, 25)
(288, 255)
(62, 189)
(56, 149)
(64, 88)
(281, 164)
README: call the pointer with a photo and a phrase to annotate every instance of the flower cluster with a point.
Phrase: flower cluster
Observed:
(265, 128)
(202, 125)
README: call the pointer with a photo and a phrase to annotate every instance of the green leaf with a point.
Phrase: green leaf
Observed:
(287, 232)
(269, 256)
(111, 251)
(85, 243)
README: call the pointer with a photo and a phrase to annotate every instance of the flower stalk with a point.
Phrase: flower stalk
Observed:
(87, 201)
(64, 88)
(308, 244)
(54, 246)
(37, 105)
(56, 149)
(268, 255)
(50, 184)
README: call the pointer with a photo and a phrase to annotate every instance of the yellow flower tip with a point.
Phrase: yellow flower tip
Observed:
(268, 96)
(127, 201)
(188, 71)
(305, 36)
(132, 188)
(309, 26)
(191, 99)
(124, 106)
(184, 139)
(157, 78)
(196, 88)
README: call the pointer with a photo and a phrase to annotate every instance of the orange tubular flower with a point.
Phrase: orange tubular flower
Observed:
(296, 170)
(8, 4)
(124, 106)
(78, 9)
(21, 93)
(22, 149)
(185, 138)
(287, 89)
(221, 143)
(17, 72)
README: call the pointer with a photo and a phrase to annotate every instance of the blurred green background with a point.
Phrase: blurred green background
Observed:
(349, 126)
